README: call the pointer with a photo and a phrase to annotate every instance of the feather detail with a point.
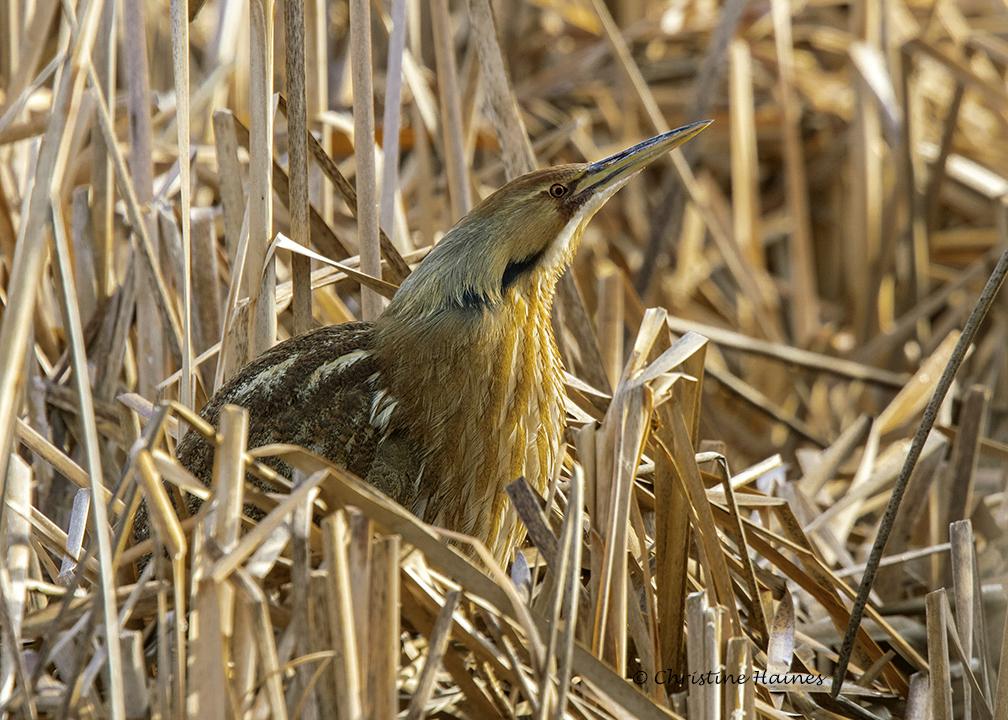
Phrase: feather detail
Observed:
(502, 367)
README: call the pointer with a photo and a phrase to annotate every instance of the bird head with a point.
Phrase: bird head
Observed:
(521, 238)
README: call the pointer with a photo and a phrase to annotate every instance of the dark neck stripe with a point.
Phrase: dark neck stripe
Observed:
(472, 299)
(517, 268)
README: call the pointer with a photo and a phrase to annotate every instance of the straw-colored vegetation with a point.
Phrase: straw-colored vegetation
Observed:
(752, 331)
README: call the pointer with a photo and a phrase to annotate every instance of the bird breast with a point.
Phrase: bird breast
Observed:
(484, 397)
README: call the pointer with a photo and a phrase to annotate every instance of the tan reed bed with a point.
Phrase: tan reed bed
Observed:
(753, 330)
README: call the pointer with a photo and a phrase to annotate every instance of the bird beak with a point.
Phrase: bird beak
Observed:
(604, 177)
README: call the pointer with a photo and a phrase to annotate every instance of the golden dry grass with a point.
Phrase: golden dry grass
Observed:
(753, 331)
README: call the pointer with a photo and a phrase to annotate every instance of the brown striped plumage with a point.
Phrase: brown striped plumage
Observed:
(457, 388)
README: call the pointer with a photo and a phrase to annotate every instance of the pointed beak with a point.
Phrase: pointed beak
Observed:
(610, 173)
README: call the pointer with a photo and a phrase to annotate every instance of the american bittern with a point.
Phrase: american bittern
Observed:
(457, 388)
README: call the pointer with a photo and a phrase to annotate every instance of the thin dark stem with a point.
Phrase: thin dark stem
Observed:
(973, 323)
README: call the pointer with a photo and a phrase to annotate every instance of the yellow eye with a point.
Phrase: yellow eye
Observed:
(557, 190)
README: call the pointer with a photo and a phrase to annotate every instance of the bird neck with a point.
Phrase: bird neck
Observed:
(483, 390)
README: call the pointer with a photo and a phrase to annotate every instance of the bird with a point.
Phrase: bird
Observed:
(457, 388)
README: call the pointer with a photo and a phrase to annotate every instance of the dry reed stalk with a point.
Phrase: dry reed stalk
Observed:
(437, 643)
(364, 154)
(317, 89)
(938, 657)
(745, 165)
(383, 622)
(451, 110)
(339, 604)
(788, 354)
(229, 181)
(13, 587)
(260, 272)
(151, 262)
(864, 233)
(391, 119)
(805, 308)
(102, 185)
(89, 430)
(28, 260)
(518, 157)
(297, 134)
(180, 67)
(150, 348)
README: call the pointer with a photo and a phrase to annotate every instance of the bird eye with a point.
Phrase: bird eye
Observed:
(557, 190)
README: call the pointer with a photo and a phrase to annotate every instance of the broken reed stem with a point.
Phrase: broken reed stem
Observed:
(566, 594)
(437, 642)
(383, 622)
(969, 331)
(346, 673)
(573, 525)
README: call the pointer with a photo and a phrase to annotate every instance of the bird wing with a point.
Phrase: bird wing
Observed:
(323, 391)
